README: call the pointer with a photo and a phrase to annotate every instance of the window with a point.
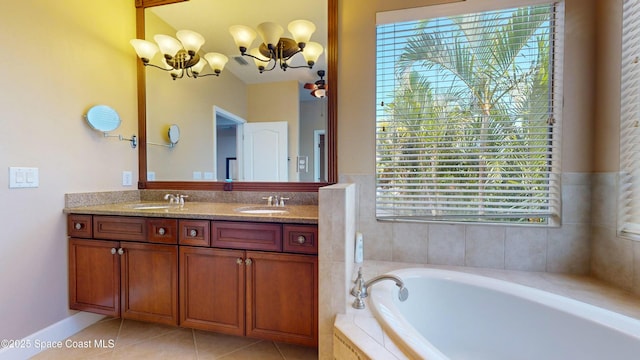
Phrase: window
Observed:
(629, 200)
(468, 115)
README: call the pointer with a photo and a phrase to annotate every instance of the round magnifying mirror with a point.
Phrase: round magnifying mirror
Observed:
(174, 134)
(103, 118)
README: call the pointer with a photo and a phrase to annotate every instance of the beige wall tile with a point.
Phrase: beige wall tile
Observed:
(485, 246)
(526, 249)
(446, 244)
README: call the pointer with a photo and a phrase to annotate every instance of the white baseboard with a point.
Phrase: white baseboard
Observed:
(29, 346)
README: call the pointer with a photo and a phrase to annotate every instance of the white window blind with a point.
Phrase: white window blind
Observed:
(629, 200)
(468, 117)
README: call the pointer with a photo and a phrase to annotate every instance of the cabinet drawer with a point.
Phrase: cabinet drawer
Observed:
(301, 239)
(194, 232)
(79, 226)
(119, 228)
(249, 236)
(163, 231)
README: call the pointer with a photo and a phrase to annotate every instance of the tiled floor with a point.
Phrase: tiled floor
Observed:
(139, 340)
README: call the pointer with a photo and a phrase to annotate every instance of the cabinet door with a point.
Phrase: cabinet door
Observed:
(150, 282)
(94, 276)
(212, 289)
(282, 293)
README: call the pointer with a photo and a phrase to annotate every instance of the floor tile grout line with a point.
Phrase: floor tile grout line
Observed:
(279, 351)
(195, 343)
(173, 330)
(241, 348)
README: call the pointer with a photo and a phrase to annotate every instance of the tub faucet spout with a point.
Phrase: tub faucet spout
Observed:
(360, 289)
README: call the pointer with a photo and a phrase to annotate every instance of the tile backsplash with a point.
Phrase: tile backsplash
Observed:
(586, 243)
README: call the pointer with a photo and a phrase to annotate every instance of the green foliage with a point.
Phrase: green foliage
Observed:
(476, 137)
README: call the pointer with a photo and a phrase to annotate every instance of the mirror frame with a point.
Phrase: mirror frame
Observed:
(332, 119)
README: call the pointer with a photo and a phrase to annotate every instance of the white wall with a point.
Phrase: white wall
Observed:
(58, 59)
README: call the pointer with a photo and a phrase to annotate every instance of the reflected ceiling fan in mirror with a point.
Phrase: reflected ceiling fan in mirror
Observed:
(319, 88)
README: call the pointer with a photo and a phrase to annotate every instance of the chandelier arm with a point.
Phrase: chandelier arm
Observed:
(292, 55)
(275, 62)
(300, 66)
(190, 73)
(211, 74)
(178, 77)
(157, 67)
(255, 57)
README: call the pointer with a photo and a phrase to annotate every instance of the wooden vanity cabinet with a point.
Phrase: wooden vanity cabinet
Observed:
(212, 283)
(239, 278)
(264, 294)
(282, 297)
(94, 276)
(130, 279)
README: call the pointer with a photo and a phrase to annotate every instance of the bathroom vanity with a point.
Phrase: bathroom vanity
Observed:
(205, 266)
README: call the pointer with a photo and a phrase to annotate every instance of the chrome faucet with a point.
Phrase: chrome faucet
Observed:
(175, 199)
(269, 200)
(360, 290)
(275, 200)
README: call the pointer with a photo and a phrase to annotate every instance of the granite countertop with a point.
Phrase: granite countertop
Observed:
(299, 214)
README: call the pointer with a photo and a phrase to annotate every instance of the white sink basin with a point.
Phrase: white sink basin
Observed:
(149, 206)
(262, 210)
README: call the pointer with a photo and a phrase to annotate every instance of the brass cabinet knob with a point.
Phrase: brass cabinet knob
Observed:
(161, 231)
(248, 262)
(113, 251)
(193, 233)
(239, 261)
(120, 251)
(301, 239)
(78, 226)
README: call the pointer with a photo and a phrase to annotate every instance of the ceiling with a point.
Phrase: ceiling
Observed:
(212, 19)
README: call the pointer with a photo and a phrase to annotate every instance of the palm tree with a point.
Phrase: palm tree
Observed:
(480, 55)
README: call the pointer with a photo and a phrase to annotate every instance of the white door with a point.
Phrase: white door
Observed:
(265, 151)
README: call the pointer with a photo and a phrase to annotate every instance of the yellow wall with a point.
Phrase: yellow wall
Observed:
(189, 104)
(58, 59)
(607, 86)
(356, 70)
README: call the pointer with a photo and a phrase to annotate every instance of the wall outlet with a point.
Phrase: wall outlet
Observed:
(151, 175)
(359, 250)
(127, 178)
(197, 175)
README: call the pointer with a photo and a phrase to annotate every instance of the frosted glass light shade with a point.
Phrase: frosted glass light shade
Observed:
(242, 35)
(167, 44)
(301, 30)
(312, 52)
(217, 61)
(255, 52)
(319, 93)
(176, 72)
(145, 49)
(191, 40)
(197, 68)
(270, 33)
(165, 65)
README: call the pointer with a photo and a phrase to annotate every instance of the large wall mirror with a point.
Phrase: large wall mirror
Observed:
(217, 114)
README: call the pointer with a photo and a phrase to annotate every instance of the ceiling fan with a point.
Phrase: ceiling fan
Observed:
(319, 88)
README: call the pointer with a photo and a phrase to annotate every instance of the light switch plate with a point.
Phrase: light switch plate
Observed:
(127, 178)
(23, 177)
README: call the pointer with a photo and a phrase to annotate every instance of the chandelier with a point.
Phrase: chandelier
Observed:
(180, 56)
(276, 50)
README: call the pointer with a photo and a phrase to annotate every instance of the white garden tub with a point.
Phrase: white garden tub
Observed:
(455, 315)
